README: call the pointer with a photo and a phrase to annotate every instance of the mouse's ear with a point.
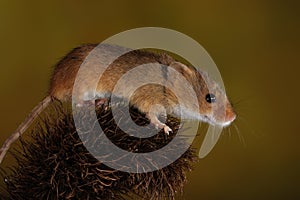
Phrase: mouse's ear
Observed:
(203, 73)
(182, 68)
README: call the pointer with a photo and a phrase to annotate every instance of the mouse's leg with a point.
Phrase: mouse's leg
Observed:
(102, 102)
(102, 99)
(97, 99)
(158, 124)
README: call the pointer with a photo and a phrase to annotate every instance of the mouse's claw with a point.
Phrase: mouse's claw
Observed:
(167, 130)
(102, 102)
(158, 124)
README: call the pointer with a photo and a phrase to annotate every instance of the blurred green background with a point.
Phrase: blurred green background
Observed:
(254, 43)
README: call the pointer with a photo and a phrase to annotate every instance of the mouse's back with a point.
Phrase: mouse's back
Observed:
(66, 70)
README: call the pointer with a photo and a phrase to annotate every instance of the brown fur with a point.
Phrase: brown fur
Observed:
(65, 73)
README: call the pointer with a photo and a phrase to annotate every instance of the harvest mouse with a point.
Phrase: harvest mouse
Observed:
(214, 106)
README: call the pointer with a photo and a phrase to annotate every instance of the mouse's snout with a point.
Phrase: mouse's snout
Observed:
(224, 116)
(229, 115)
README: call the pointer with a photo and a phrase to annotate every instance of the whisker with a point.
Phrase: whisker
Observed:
(237, 102)
(229, 130)
(241, 137)
(251, 130)
(242, 119)
(214, 133)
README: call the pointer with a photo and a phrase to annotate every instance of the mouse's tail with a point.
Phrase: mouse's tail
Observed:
(24, 126)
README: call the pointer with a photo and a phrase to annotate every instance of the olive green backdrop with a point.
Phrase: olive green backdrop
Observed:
(255, 45)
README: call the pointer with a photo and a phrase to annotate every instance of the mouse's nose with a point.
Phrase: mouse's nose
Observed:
(230, 115)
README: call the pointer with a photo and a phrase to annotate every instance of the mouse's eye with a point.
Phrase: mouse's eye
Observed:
(210, 98)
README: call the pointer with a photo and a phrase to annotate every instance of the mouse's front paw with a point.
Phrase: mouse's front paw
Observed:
(158, 124)
(167, 130)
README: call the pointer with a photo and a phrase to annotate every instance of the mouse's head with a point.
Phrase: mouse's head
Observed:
(214, 106)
